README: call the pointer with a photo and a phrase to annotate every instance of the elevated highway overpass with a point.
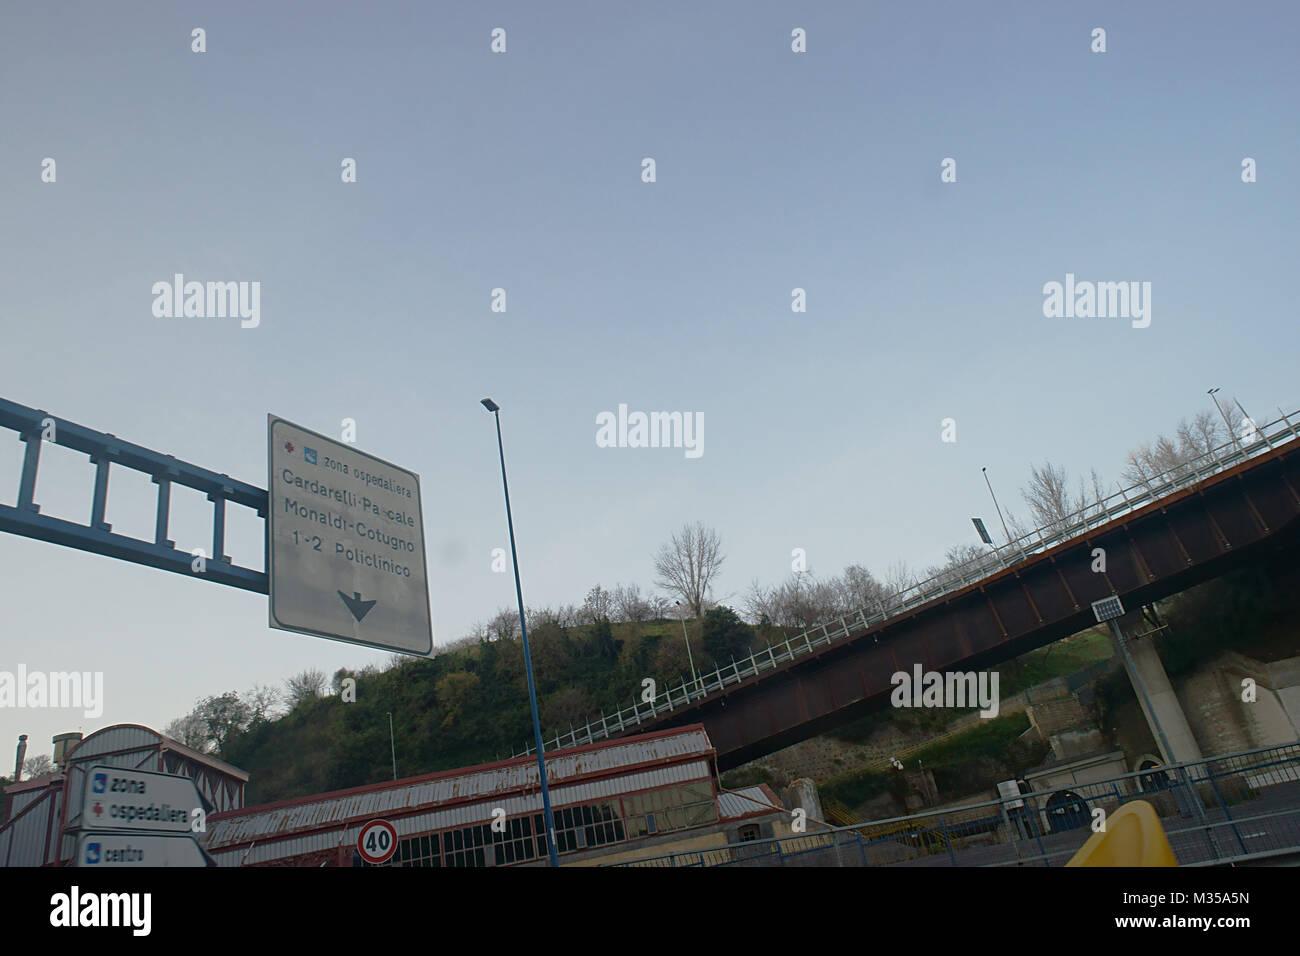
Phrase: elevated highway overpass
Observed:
(1237, 504)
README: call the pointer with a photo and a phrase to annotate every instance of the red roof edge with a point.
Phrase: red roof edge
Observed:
(459, 772)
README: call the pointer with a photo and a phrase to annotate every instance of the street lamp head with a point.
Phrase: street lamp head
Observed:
(1211, 391)
(490, 405)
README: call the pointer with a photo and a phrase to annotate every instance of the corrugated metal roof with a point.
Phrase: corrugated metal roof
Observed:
(270, 844)
(190, 753)
(120, 737)
(21, 793)
(511, 785)
(111, 739)
(747, 801)
(25, 791)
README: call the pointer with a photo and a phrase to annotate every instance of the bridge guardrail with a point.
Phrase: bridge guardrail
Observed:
(1249, 809)
(1125, 501)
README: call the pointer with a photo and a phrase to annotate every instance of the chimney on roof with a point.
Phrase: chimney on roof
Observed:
(18, 761)
(62, 744)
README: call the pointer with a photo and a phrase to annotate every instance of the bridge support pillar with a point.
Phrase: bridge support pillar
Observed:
(1154, 692)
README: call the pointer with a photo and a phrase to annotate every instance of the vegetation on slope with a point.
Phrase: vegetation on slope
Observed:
(468, 706)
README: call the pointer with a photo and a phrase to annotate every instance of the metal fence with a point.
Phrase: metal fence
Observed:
(1103, 511)
(1226, 809)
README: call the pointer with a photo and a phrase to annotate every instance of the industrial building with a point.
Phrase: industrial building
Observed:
(613, 801)
(44, 814)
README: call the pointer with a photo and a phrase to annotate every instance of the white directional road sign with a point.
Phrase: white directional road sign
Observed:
(103, 848)
(118, 798)
(346, 553)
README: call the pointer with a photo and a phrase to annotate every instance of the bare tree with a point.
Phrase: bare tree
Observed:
(189, 730)
(1202, 435)
(629, 605)
(965, 555)
(688, 563)
(1096, 494)
(1237, 427)
(898, 578)
(264, 703)
(802, 601)
(539, 617)
(598, 605)
(1152, 463)
(1139, 466)
(504, 626)
(1016, 526)
(859, 589)
(659, 606)
(961, 563)
(760, 602)
(37, 766)
(814, 601)
(307, 685)
(1048, 495)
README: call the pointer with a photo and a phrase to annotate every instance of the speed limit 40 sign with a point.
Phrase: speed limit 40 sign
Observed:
(377, 841)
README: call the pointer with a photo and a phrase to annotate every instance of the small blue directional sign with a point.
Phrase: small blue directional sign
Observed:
(346, 543)
(106, 849)
(121, 798)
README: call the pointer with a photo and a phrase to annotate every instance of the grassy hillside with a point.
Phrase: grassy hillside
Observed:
(1028, 670)
(967, 763)
(463, 707)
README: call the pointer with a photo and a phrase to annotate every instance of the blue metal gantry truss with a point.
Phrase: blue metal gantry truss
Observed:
(34, 427)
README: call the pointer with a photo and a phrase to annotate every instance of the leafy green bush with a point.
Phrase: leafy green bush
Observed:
(977, 759)
(858, 786)
(726, 636)
(749, 777)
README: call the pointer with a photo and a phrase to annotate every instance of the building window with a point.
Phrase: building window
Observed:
(586, 826)
(565, 841)
(670, 808)
(602, 825)
(466, 846)
(418, 851)
(749, 832)
(591, 825)
(577, 828)
(517, 843)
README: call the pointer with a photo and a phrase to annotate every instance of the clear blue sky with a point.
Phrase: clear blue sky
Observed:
(522, 171)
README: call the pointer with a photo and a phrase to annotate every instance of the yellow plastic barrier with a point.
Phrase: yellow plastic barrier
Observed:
(1133, 837)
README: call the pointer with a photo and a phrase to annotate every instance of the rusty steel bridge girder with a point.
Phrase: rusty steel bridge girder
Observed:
(1238, 516)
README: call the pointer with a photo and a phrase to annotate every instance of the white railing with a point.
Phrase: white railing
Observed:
(1124, 501)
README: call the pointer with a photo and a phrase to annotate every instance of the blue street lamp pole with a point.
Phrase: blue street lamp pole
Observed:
(495, 409)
